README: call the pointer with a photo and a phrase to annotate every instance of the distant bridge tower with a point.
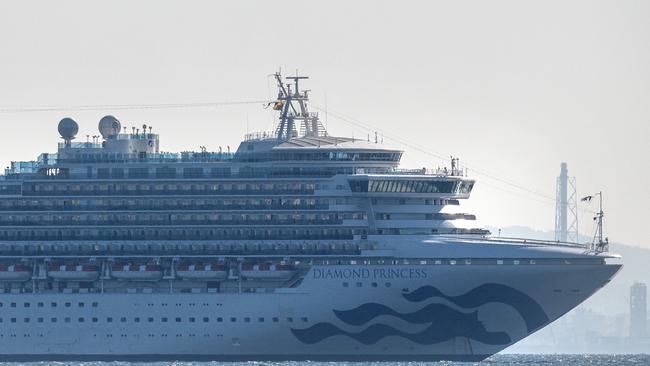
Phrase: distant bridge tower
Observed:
(566, 207)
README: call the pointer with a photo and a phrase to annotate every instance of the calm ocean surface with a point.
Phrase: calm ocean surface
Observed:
(506, 360)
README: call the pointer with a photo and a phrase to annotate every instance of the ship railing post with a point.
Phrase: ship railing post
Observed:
(101, 275)
(34, 276)
(239, 267)
(172, 273)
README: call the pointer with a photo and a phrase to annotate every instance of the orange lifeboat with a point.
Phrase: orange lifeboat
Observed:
(200, 271)
(73, 272)
(267, 271)
(15, 272)
(137, 272)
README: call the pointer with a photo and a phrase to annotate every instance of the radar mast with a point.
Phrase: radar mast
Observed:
(292, 105)
(598, 244)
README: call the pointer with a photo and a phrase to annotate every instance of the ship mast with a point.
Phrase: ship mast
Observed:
(292, 105)
(598, 244)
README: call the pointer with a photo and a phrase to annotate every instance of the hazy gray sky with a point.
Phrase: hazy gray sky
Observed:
(511, 87)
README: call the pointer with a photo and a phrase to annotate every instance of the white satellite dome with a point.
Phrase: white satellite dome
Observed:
(68, 128)
(109, 127)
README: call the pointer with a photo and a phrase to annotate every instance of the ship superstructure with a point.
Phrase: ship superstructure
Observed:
(298, 245)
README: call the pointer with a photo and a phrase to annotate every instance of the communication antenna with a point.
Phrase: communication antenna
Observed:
(292, 105)
(68, 129)
(326, 124)
(598, 244)
(109, 127)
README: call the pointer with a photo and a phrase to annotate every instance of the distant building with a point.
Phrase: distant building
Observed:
(638, 310)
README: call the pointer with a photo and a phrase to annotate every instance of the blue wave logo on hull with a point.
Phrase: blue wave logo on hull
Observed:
(445, 322)
(532, 313)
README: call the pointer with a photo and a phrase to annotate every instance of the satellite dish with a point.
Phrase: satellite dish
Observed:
(68, 128)
(109, 127)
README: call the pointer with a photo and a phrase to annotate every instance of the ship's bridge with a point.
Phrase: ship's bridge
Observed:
(407, 184)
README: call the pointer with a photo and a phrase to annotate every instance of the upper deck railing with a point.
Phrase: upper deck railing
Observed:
(163, 157)
(438, 172)
(259, 135)
(521, 241)
(80, 145)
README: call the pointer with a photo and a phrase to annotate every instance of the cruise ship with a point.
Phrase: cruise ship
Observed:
(297, 246)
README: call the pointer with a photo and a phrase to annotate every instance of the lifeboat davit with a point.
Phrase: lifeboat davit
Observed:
(137, 272)
(267, 271)
(73, 272)
(201, 271)
(15, 272)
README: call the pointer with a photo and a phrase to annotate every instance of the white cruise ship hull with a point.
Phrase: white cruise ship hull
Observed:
(361, 312)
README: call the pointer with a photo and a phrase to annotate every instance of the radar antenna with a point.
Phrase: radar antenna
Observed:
(598, 244)
(310, 126)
